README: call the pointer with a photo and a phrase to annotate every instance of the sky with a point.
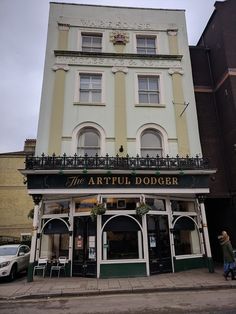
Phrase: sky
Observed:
(23, 34)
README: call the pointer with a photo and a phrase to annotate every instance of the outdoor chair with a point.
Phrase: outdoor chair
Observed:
(42, 265)
(60, 266)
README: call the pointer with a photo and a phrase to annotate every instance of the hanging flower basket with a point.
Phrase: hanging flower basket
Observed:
(142, 209)
(98, 209)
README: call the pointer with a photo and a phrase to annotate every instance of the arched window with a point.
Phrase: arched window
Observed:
(55, 239)
(151, 143)
(186, 237)
(124, 237)
(89, 142)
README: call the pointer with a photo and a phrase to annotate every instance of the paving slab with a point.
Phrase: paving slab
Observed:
(47, 287)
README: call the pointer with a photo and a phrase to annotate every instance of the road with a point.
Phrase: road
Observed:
(194, 302)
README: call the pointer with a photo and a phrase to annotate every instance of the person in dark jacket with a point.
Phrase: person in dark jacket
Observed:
(228, 255)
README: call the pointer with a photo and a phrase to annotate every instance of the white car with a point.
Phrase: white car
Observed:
(14, 258)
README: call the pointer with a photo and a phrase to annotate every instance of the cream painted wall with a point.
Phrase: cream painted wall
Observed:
(105, 20)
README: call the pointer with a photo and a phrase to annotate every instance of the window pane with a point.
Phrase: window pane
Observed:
(153, 98)
(84, 81)
(150, 139)
(143, 98)
(91, 43)
(89, 142)
(97, 41)
(90, 88)
(146, 45)
(151, 143)
(186, 237)
(96, 82)
(86, 40)
(84, 96)
(153, 83)
(96, 97)
(122, 244)
(140, 41)
(151, 42)
(91, 139)
(143, 83)
(148, 89)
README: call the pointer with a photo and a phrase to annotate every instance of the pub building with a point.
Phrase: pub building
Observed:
(118, 179)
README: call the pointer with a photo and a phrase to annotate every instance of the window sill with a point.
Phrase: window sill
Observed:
(88, 104)
(151, 105)
(188, 256)
(123, 261)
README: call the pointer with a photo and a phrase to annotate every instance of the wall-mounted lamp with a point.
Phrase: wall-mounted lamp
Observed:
(121, 149)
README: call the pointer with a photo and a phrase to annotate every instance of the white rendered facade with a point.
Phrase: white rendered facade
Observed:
(118, 82)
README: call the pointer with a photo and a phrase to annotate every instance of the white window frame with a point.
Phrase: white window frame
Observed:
(161, 90)
(77, 100)
(77, 130)
(145, 34)
(160, 130)
(81, 139)
(94, 33)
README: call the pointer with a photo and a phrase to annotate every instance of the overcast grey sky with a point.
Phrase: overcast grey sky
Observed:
(23, 31)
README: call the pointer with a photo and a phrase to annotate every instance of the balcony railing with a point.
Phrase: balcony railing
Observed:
(115, 163)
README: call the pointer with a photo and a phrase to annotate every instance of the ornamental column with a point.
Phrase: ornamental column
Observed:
(37, 199)
(57, 110)
(119, 40)
(180, 113)
(120, 111)
(173, 41)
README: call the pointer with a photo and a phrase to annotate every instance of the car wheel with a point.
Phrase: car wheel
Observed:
(12, 275)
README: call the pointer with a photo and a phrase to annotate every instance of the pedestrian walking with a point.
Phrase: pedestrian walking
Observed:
(228, 255)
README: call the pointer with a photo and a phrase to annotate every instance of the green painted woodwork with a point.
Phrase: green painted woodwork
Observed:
(189, 263)
(123, 270)
(30, 272)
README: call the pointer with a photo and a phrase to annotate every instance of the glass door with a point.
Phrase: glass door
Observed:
(159, 244)
(85, 251)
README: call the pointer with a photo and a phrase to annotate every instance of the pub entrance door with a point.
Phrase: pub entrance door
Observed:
(159, 244)
(85, 249)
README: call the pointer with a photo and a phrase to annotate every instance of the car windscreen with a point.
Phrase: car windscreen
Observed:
(4, 251)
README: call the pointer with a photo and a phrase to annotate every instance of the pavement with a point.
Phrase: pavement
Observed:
(197, 279)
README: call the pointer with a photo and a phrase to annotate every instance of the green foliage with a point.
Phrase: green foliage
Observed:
(142, 209)
(98, 209)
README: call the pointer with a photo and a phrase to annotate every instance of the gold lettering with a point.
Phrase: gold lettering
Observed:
(106, 179)
(153, 180)
(175, 181)
(146, 180)
(127, 181)
(168, 181)
(91, 181)
(160, 181)
(114, 180)
(99, 180)
(138, 180)
(121, 180)
(71, 181)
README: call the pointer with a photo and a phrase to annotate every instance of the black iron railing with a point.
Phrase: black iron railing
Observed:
(115, 163)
